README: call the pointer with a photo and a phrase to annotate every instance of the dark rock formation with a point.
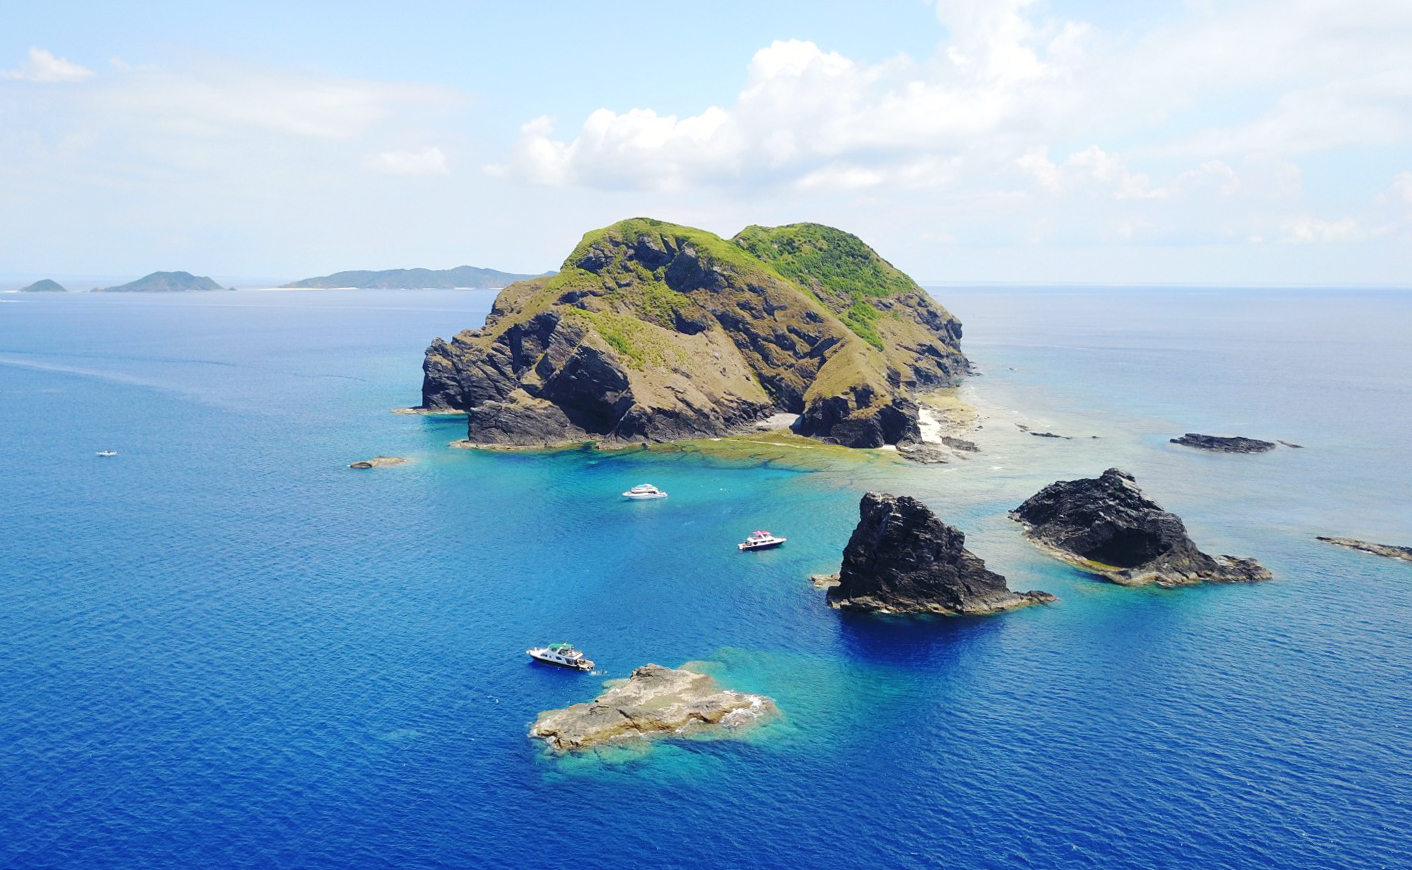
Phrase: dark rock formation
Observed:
(1224, 444)
(44, 285)
(1388, 550)
(902, 559)
(653, 701)
(1106, 526)
(657, 332)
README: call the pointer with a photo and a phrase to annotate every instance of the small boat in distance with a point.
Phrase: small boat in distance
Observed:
(107, 453)
(562, 654)
(761, 540)
(644, 490)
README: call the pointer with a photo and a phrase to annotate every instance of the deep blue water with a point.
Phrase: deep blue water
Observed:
(223, 648)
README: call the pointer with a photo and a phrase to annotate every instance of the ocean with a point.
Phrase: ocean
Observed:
(224, 648)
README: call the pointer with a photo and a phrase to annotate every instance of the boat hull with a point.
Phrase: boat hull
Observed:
(745, 548)
(583, 665)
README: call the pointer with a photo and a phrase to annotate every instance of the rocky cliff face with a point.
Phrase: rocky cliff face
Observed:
(653, 701)
(1106, 526)
(902, 559)
(657, 332)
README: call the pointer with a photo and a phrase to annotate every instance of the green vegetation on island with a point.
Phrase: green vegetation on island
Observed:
(44, 285)
(653, 331)
(164, 282)
(459, 278)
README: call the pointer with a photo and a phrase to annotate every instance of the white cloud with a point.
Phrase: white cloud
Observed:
(43, 66)
(1194, 128)
(1402, 188)
(217, 98)
(1307, 229)
(426, 161)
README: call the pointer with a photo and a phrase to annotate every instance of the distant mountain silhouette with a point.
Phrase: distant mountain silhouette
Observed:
(164, 282)
(44, 285)
(469, 277)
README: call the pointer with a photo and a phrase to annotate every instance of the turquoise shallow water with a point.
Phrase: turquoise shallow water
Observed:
(224, 648)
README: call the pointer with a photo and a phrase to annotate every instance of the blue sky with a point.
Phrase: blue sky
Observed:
(1206, 142)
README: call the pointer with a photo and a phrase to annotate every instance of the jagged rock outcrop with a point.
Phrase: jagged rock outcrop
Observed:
(1106, 526)
(902, 559)
(1386, 550)
(658, 332)
(1224, 443)
(653, 701)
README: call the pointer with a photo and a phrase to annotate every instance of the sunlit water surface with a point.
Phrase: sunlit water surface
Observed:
(224, 648)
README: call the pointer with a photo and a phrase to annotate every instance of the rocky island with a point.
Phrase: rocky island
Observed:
(44, 285)
(1224, 443)
(902, 559)
(459, 278)
(658, 332)
(1386, 550)
(1106, 526)
(164, 282)
(654, 701)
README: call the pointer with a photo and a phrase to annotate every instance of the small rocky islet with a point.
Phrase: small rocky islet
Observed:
(1107, 526)
(1225, 443)
(655, 701)
(902, 559)
(1388, 551)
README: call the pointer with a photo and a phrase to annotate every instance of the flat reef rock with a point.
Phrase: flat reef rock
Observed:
(1388, 550)
(902, 559)
(1224, 443)
(654, 701)
(378, 462)
(1106, 526)
(657, 332)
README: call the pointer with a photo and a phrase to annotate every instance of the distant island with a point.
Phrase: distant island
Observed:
(659, 332)
(164, 282)
(44, 285)
(459, 278)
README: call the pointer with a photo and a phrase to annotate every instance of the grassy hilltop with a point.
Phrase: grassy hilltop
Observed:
(655, 331)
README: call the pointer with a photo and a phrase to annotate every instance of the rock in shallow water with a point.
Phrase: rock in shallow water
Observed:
(902, 559)
(1387, 550)
(1106, 526)
(1224, 444)
(655, 700)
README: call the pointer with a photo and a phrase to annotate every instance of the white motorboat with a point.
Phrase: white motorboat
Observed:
(644, 490)
(761, 540)
(562, 654)
(107, 453)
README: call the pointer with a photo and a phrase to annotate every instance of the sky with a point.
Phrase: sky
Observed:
(1251, 142)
